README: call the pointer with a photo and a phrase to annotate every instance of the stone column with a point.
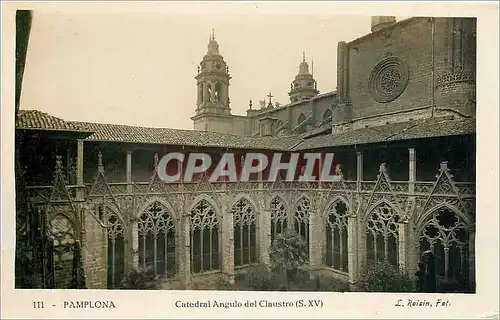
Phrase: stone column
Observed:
(315, 240)
(352, 248)
(134, 245)
(412, 251)
(403, 245)
(412, 170)
(359, 169)
(184, 251)
(264, 236)
(129, 171)
(227, 239)
(79, 169)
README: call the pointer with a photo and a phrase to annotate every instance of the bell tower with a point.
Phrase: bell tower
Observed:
(303, 87)
(213, 82)
(212, 106)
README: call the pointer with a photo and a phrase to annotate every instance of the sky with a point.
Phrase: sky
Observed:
(139, 68)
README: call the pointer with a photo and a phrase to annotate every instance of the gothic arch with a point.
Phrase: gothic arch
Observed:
(280, 197)
(422, 219)
(301, 217)
(63, 232)
(245, 219)
(160, 200)
(335, 199)
(205, 235)
(377, 204)
(301, 198)
(280, 216)
(60, 212)
(380, 229)
(301, 118)
(336, 234)
(116, 233)
(114, 210)
(213, 202)
(157, 233)
(327, 114)
(240, 196)
(445, 231)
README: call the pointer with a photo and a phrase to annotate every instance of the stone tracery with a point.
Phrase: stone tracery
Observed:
(279, 217)
(301, 218)
(204, 238)
(447, 236)
(336, 236)
(382, 233)
(245, 235)
(156, 229)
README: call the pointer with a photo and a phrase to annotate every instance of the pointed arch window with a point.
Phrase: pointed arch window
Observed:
(279, 217)
(300, 122)
(327, 116)
(336, 236)
(447, 235)
(62, 232)
(382, 234)
(205, 252)
(245, 234)
(301, 219)
(116, 250)
(156, 229)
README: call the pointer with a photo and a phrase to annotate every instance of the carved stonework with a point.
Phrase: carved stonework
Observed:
(388, 79)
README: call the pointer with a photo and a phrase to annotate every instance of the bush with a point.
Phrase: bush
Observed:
(384, 277)
(260, 278)
(330, 284)
(288, 252)
(140, 279)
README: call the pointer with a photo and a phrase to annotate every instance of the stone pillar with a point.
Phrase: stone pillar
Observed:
(412, 170)
(359, 169)
(135, 242)
(79, 169)
(264, 236)
(352, 248)
(403, 245)
(227, 240)
(129, 171)
(184, 251)
(315, 240)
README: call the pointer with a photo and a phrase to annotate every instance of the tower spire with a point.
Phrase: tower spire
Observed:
(213, 35)
(303, 56)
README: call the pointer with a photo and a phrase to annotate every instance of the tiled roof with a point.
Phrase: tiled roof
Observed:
(416, 129)
(36, 120)
(133, 134)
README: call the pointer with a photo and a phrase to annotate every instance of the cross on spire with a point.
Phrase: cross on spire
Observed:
(303, 56)
(270, 96)
(213, 35)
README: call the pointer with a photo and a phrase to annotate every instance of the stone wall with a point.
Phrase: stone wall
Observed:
(95, 252)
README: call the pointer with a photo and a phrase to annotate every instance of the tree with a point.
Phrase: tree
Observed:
(382, 276)
(140, 279)
(288, 253)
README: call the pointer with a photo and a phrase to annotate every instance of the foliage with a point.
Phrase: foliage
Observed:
(382, 276)
(140, 279)
(288, 252)
(330, 284)
(260, 278)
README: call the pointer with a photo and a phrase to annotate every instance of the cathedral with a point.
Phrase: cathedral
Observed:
(401, 124)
